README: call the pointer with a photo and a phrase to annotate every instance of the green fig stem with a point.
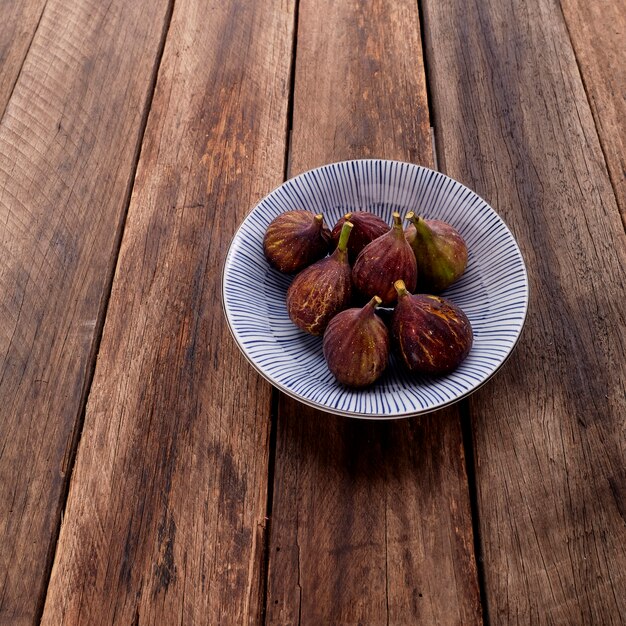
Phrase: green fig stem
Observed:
(400, 288)
(343, 237)
(410, 216)
(423, 229)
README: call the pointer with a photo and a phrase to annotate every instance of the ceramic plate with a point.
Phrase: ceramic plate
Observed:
(493, 292)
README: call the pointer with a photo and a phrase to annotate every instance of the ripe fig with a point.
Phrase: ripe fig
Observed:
(440, 251)
(294, 240)
(320, 291)
(367, 227)
(383, 261)
(432, 335)
(356, 345)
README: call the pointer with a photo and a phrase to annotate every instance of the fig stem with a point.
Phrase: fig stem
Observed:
(410, 216)
(343, 237)
(347, 216)
(319, 219)
(400, 287)
(370, 307)
(397, 229)
(422, 228)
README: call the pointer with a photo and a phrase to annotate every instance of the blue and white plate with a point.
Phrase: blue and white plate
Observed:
(493, 292)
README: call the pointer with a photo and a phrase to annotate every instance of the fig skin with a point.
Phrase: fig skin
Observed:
(440, 252)
(322, 290)
(432, 335)
(382, 262)
(294, 240)
(367, 227)
(356, 345)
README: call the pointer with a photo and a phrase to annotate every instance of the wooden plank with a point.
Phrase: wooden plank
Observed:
(165, 521)
(370, 521)
(68, 144)
(598, 33)
(513, 122)
(19, 19)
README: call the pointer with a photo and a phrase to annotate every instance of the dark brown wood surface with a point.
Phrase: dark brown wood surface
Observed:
(165, 520)
(370, 521)
(68, 143)
(598, 34)
(178, 468)
(513, 122)
(19, 20)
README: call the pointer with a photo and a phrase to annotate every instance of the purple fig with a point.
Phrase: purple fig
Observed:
(367, 227)
(382, 262)
(432, 335)
(356, 345)
(440, 252)
(320, 291)
(294, 240)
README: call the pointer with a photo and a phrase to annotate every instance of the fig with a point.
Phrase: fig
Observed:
(367, 227)
(383, 261)
(294, 240)
(321, 290)
(432, 335)
(356, 345)
(440, 252)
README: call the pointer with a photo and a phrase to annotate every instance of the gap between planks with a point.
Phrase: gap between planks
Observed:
(271, 465)
(468, 446)
(464, 409)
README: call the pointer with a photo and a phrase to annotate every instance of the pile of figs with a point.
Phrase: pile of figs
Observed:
(366, 262)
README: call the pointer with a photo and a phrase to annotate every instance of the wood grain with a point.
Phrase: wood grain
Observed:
(165, 521)
(598, 33)
(370, 521)
(67, 155)
(513, 122)
(19, 19)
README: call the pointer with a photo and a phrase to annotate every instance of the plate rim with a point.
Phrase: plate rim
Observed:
(357, 414)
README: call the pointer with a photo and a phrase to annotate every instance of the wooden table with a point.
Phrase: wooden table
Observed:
(147, 474)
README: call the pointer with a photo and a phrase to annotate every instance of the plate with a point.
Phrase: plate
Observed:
(493, 291)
